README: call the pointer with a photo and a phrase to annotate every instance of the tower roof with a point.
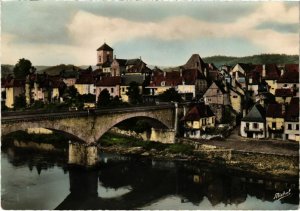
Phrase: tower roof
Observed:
(105, 47)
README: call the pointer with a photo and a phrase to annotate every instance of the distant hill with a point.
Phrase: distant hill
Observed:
(55, 70)
(255, 59)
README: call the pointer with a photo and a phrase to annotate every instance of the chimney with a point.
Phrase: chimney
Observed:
(180, 71)
(165, 73)
(281, 72)
(264, 71)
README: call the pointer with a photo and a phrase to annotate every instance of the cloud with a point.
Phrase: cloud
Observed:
(88, 29)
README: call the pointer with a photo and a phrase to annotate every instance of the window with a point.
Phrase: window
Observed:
(107, 58)
(247, 125)
(255, 125)
(112, 90)
(297, 126)
(285, 85)
(163, 83)
(234, 96)
(123, 89)
(289, 126)
(99, 58)
(273, 124)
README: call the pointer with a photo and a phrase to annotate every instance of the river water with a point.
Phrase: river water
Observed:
(36, 180)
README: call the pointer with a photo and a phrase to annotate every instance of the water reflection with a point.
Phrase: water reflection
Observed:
(132, 183)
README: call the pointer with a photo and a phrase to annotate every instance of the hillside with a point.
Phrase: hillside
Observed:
(55, 70)
(255, 59)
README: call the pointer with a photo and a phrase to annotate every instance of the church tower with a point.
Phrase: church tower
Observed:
(104, 54)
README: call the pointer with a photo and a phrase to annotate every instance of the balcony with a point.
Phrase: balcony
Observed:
(256, 130)
(276, 130)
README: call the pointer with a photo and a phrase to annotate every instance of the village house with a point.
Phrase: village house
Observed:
(270, 74)
(85, 84)
(275, 121)
(291, 124)
(137, 67)
(197, 120)
(283, 95)
(290, 79)
(239, 73)
(111, 84)
(254, 124)
(265, 98)
(216, 94)
(125, 83)
(13, 88)
(236, 99)
(118, 67)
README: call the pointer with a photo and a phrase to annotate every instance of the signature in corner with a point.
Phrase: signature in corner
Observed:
(282, 195)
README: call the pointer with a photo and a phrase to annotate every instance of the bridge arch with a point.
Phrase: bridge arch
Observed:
(90, 128)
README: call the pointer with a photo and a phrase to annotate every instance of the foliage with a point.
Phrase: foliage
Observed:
(3, 106)
(38, 104)
(104, 98)
(87, 98)
(141, 126)
(110, 139)
(72, 92)
(170, 95)
(133, 93)
(20, 102)
(22, 68)
(3, 95)
(255, 59)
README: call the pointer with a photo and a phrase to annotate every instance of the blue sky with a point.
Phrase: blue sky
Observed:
(162, 33)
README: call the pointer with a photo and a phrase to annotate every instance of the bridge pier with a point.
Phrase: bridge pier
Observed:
(166, 136)
(83, 154)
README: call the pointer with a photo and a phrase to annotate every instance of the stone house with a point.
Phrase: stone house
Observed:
(216, 94)
(290, 80)
(254, 124)
(137, 67)
(275, 121)
(125, 83)
(291, 124)
(13, 88)
(197, 120)
(85, 84)
(236, 99)
(118, 67)
(283, 95)
(111, 84)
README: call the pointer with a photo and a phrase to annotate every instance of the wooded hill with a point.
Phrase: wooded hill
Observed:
(255, 59)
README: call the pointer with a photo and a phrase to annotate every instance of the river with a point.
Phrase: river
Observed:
(39, 180)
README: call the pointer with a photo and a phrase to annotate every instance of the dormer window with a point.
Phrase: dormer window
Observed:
(163, 83)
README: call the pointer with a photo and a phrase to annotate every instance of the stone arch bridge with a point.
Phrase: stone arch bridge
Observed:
(88, 126)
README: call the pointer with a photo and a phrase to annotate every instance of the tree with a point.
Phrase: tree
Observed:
(87, 98)
(170, 95)
(133, 93)
(104, 98)
(20, 102)
(22, 68)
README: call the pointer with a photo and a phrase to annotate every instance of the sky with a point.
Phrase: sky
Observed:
(163, 33)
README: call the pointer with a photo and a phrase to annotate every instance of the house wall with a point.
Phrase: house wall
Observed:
(113, 90)
(186, 89)
(213, 95)
(273, 86)
(282, 100)
(236, 101)
(69, 81)
(261, 126)
(293, 133)
(11, 93)
(55, 93)
(289, 85)
(85, 88)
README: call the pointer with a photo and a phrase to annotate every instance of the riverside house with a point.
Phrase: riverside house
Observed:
(291, 124)
(197, 120)
(275, 121)
(254, 124)
(13, 88)
(111, 84)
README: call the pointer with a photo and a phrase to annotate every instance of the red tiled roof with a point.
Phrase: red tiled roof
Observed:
(197, 112)
(272, 72)
(14, 83)
(283, 93)
(291, 76)
(85, 79)
(291, 67)
(170, 78)
(109, 81)
(274, 111)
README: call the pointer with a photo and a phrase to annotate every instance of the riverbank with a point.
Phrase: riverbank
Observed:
(256, 162)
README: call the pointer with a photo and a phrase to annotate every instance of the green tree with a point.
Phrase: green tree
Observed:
(104, 98)
(133, 93)
(170, 95)
(20, 102)
(22, 68)
(87, 98)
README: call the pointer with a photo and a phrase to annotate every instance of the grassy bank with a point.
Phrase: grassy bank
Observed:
(112, 139)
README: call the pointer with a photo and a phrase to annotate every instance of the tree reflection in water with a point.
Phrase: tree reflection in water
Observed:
(149, 181)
